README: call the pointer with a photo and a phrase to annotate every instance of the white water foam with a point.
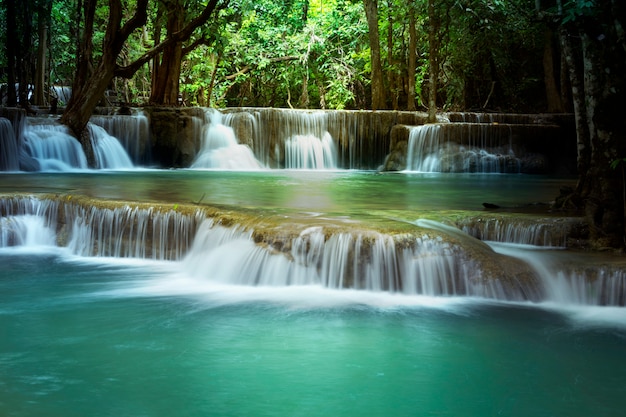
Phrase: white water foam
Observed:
(108, 151)
(221, 150)
(310, 152)
(562, 283)
(52, 146)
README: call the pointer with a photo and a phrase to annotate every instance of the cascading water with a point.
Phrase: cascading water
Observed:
(287, 293)
(370, 261)
(547, 232)
(9, 154)
(293, 139)
(133, 132)
(26, 231)
(310, 152)
(108, 151)
(121, 232)
(50, 147)
(569, 280)
(425, 147)
(436, 148)
(221, 150)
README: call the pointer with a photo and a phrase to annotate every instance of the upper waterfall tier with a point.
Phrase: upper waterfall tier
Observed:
(312, 139)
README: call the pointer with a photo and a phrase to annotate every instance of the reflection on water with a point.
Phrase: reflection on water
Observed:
(334, 191)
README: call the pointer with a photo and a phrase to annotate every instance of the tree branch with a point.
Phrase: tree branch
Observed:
(139, 19)
(195, 44)
(129, 70)
(247, 68)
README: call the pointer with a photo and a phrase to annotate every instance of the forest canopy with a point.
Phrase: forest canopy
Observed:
(489, 54)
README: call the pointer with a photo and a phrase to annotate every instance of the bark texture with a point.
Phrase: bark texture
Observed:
(378, 88)
(599, 95)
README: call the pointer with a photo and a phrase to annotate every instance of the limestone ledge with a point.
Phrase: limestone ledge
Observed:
(278, 231)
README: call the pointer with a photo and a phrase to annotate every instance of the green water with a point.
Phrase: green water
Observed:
(110, 338)
(323, 191)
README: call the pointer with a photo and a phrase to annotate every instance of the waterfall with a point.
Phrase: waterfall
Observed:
(460, 148)
(48, 146)
(27, 221)
(52, 148)
(310, 152)
(63, 93)
(129, 232)
(360, 261)
(435, 260)
(133, 132)
(546, 232)
(108, 151)
(292, 139)
(570, 280)
(26, 230)
(221, 150)
(425, 148)
(9, 155)
(85, 230)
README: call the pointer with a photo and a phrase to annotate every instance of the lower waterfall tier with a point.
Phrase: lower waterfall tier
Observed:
(248, 248)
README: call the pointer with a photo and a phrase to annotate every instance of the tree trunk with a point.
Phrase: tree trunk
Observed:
(553, 96)
(166, 79)
(89, 85)
(605, 99)
(209, 94)
(24, 52)
(43, 19)
(412, 60)
(433, 62)
(378, 88)
(391, 76)
(11, 51)
(600, 104)
(574, 60)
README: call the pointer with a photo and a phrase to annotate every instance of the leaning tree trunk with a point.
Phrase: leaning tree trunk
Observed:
(81, 106)
(90, 84)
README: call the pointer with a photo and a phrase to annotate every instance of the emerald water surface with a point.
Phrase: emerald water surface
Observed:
(111, 337)
(102, 339)
(299, 189)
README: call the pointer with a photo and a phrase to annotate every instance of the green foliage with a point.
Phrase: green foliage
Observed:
(315, 53)
(617, 163)
(489, 42)
(575, 9)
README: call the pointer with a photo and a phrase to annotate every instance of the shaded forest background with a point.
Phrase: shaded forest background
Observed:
(331, 54)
